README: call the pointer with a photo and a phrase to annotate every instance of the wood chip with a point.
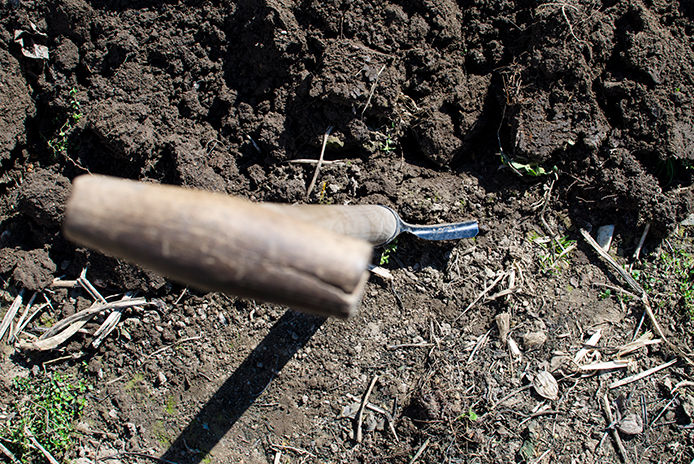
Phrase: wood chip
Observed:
(503, 323)
(513, 347)
(644, 340)
(607, 365)
(381, 272)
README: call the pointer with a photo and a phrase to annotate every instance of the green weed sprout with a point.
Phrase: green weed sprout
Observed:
(387, 251)
(59, 143)
(45, 411)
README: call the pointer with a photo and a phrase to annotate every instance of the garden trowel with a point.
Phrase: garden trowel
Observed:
(313, 258)
(377, 224)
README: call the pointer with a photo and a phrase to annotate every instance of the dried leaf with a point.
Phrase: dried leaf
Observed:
(630, 424)
(546, 385)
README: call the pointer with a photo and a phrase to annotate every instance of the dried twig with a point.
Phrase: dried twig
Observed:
(10, 314)
(66, 328)
(90, 312)
(38, 446)
(60, 283)
(662, 411)
(313, 161)
(640, 291)
(481, 294)
(482, 340)
(108, 326)
(13, 333)
(87, 285)
(606, 365)
(637, 252)
(592, 342)
(625, 275)
(371, 92)
(320, 160)
(291, 448)
(389, 417)
(615, 433)
(641, 375)
(360, 414)
(25, 321)
(618, 289)
(161, 350)
(644, 340)
(135, 454)
(8, 454)
(420, 451)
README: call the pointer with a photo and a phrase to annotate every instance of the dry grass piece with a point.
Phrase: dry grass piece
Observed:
(360, 415)
(607, 365)
(66, 328)
(592, 342)
(642, 375)
(320, 161)
(420, 451)
(10, 314)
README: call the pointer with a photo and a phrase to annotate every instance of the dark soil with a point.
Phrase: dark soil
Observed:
(430, 103)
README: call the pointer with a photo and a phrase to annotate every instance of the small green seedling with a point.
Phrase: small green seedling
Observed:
(469, 415)
(390, 144)
(525, 169)
(387, 251)
(44, 413)
(555, 252)
(59, 143)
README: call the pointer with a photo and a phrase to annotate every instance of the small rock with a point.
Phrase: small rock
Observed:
(161, 378)
(534, 340)
(83, 461)
(604, 236)
(546, 385)
(132, 429)
(630, 424)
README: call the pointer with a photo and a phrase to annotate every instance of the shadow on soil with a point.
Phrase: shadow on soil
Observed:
(289, 334)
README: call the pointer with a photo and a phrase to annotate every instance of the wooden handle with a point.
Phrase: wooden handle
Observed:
(220, 243)
(374, 223)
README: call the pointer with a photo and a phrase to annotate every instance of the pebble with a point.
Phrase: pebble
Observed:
(533, 340)
(161, 378)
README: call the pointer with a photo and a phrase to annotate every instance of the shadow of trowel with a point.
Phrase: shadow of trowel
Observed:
(289, 334)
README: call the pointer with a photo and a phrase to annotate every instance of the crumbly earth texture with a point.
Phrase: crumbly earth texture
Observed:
(538, 119)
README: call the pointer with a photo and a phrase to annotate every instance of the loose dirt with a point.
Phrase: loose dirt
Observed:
(442, 110)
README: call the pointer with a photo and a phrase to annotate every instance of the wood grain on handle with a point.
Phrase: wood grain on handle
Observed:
(220, 243)
(374, 223)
